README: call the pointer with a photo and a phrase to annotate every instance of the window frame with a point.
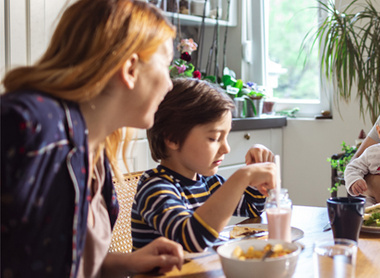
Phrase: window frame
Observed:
(254, 29)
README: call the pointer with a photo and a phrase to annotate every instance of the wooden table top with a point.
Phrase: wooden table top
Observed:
(309, 219)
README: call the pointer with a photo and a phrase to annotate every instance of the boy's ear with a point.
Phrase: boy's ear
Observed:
(129, 71)
(378, 130)
(171, 145)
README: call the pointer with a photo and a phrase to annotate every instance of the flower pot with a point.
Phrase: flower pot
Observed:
(258, 103)
(268, 107)
(240, 108)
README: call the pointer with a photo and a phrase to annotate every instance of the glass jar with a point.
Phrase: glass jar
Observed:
(184, 6)
(279, 212)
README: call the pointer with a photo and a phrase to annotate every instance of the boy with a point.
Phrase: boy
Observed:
(183, 199)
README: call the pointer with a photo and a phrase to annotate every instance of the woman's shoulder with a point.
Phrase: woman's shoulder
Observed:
(34, 114)
(34, 100)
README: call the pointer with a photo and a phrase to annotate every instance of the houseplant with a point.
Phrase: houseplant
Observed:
(339, 162)
(350, 52)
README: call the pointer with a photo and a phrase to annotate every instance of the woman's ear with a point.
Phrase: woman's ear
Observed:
(171, 145)
(129, 71)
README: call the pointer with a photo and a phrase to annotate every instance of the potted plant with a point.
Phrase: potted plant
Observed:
(251, 96)
(256, 97)
(183, 67)
(350, 52)
(338, 164)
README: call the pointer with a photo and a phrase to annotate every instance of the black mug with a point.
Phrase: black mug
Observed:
(346, 216)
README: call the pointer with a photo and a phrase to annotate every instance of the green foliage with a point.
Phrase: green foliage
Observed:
(236, 88)
(289, 21)
(341, 163)
(349, 42)
(374, 219)
(181, 68)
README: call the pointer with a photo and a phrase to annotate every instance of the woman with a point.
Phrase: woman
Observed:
(61, 129)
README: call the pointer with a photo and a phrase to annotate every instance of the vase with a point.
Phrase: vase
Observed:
(216, 9)
(197, 7)
(268, 107)
(240, 108)
(184, 6)
(258, 103)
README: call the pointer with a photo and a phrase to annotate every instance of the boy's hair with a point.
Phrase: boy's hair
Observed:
(191, 102)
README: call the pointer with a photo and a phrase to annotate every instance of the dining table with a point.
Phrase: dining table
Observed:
(311, 220)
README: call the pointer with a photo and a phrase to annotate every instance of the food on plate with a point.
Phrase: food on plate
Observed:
(277, 251)
(372, 215)
(242, 231)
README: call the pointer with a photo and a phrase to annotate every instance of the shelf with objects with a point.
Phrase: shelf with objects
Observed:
(192, 20)
(194, 12)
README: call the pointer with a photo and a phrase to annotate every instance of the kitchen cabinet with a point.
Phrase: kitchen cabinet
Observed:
(241, 141)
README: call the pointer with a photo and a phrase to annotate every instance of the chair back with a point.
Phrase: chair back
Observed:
(121, 240)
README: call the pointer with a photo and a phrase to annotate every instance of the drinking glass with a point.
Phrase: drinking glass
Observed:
(335, 258)
(346, 216)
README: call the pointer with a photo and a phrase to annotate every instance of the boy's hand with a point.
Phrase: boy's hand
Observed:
(258, 153)
(358, 187)
(262, 176)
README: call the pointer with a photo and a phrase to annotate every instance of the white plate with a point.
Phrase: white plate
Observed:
(225, 234)
(370, 229)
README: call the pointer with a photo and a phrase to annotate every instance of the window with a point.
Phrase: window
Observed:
(276, 29)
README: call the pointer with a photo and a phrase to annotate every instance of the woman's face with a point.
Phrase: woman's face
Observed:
(153, 84)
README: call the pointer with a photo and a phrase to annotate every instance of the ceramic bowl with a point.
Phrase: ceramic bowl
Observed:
(280, 267)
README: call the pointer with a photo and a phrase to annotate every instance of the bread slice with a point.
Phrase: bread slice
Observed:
(242, 231)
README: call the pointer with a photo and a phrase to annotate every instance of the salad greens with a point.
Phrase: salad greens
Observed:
(373, 220)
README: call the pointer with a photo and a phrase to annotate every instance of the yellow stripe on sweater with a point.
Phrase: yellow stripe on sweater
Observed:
(204, 224)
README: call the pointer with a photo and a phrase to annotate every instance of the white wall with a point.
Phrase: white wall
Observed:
(307, 145)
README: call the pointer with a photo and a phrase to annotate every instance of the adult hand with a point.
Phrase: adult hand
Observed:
(161, 253)
(258, 153)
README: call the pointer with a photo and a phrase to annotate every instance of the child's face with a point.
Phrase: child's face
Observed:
(204, 149)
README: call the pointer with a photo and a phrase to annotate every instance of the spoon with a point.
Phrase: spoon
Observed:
(267, 253)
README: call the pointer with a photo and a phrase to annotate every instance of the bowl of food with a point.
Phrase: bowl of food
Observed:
(259, 258)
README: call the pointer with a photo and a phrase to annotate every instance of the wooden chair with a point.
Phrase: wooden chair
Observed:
(121, 235)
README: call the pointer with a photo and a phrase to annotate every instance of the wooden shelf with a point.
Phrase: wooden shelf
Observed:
(193, 20)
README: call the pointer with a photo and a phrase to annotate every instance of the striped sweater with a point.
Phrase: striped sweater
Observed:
(165, 204)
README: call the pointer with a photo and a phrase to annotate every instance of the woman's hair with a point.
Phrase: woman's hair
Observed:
(92, 41)
(191, 102)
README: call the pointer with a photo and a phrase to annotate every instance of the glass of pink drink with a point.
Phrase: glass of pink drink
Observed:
(279, 213)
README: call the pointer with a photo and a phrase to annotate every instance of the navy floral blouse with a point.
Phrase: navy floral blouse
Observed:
(44, 195)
